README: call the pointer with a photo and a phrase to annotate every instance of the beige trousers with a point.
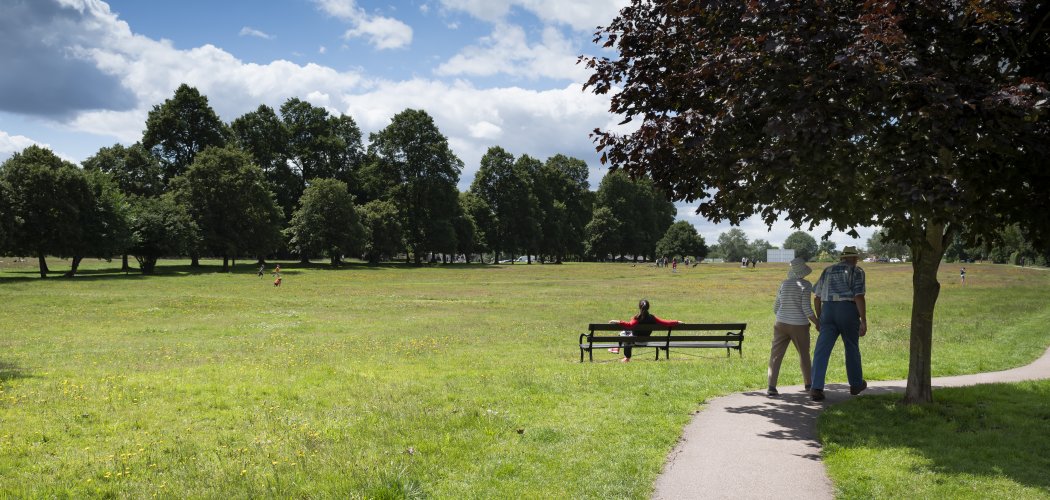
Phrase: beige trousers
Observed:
(784, 334)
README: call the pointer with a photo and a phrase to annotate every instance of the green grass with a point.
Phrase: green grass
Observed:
(987, 441)
(388, 382)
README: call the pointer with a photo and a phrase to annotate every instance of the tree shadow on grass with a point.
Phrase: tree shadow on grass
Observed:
(11, 371)
(986, 430)
(184, 270)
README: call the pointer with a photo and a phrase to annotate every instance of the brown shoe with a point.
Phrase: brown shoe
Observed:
(816, 395)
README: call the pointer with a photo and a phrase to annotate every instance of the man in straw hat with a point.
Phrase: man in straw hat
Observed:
(840, 307)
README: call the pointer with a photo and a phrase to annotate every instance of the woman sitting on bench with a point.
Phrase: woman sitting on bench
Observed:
(642, 318)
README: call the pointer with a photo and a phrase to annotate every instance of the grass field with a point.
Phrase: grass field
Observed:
(386, 382)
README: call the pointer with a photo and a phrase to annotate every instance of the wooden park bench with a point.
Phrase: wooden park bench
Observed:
(665, 338)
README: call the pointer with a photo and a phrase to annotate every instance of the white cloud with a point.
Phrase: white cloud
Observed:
(322, 50)
(381, 32)
(249, 31)
(538, 123)
(11, 144)
(580, 15)
(507, 51)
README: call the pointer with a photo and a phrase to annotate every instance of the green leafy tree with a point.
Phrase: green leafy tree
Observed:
(482, 218)
(742, 106)
(468, 235)
(7, 217)
(804, 245)
(682, 240)
(881, 245)
(103, 220)
(46, 197)
(827, 251)
(757, 250)
(604, 234)
(159, 226)
(136, 172)
(414, 159)
(644, 212)
(382, 229)
(566, 206)
(231, 203)
(322, 146)
(264, 136)
(133, 168)
(180, 128)
(504, 185)
(734, 245)
(326, 221)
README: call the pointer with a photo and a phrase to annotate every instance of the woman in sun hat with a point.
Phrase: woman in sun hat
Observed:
(794, 314)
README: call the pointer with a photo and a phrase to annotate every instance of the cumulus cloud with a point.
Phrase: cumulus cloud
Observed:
(507, 51)
(249, 31)
(46, 72)
(381, 32)
(580, 15)
(11, 144)
(540, 123)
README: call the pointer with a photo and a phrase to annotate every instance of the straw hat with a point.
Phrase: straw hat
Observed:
(849, 252)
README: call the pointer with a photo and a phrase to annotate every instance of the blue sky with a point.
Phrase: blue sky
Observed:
(83, 74)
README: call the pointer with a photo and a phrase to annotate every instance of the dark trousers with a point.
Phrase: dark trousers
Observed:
(627, 350)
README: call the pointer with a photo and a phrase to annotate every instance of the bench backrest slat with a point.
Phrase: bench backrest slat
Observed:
(610, 327)
(732, 337)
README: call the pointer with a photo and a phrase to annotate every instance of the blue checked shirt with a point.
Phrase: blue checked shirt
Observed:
(840, 282)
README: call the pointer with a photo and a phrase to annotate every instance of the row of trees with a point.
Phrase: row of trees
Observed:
(301, 182)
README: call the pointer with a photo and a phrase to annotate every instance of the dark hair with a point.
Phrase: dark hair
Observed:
(643, 309)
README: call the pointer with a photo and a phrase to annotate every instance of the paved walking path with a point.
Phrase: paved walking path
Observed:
(750, 445)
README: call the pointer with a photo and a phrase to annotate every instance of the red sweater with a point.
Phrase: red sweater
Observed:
(664, 322)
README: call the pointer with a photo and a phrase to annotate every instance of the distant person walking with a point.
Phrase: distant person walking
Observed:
(674, 265)
(962, 276)
(793, 316)
(839, 303)
(262, 269)
(642, 318)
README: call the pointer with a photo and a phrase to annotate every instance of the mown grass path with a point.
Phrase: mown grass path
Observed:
(447, 381)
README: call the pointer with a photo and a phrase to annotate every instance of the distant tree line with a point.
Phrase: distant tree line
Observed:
(300, 181)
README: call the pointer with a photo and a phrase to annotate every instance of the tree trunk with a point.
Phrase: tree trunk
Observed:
(195, 261)
(335, 260)
(304, 259)
(124, 267)
(73, 269)
(925, 289)
(43, 265)
(225, 263)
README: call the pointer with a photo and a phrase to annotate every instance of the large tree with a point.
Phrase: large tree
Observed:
(231, 204)
(682, 240)
(104, 230)
(326, 222)
(879, 245)
(136, 172)
(916, 116)
(505, 187)
(565, 204)
(321, 145)
(733, 245)
(804, 245)
(383, 237)
(421, 171)
(181, 127)
(643, 212)
(264, 136)
(159, 226)
(48, 199)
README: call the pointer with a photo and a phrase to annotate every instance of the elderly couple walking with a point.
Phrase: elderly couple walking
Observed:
(838, 311)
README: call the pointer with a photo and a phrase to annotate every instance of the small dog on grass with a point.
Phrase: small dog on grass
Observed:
(277, 282)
